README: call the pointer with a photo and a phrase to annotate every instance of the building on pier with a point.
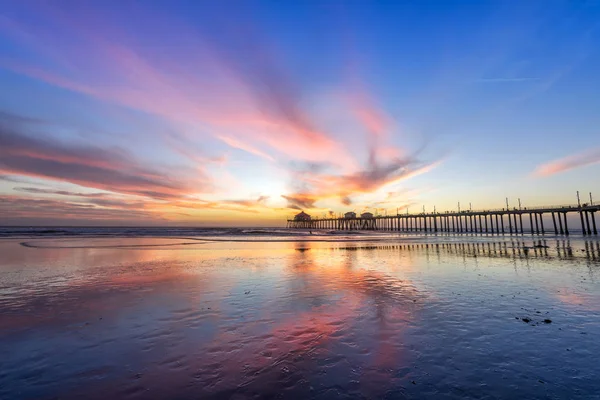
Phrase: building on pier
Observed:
(350, 214)
(302, 216)
(366, 215)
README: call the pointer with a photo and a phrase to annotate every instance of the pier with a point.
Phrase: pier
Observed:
(538, 221)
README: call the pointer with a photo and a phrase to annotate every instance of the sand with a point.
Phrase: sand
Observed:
(439, 318)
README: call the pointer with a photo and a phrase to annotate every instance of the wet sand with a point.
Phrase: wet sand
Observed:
(163, 318)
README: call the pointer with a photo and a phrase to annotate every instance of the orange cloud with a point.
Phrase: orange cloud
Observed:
(317, 185)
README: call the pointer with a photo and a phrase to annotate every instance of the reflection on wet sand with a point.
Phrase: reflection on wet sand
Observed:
(559, 249)
(299, 320)
(248, 338)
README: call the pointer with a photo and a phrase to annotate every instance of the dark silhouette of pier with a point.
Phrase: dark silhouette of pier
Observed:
(498, 221)
(561, 249)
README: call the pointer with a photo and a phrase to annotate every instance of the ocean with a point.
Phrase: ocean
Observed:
(220, 313)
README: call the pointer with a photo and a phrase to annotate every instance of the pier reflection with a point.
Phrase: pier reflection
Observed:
(547, 249)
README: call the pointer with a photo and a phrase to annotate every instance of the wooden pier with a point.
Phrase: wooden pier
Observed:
(500, 221)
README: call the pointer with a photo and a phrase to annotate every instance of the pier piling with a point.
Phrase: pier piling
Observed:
(470, 222)
(587, 223)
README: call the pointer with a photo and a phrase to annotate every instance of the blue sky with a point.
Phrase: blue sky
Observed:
(242, 113)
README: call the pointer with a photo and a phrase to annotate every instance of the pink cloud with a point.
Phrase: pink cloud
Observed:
(376, 122)
(110, 169)
(124, 179)
(22, 208)
(579, 160)
(237, 144)
(255, 106)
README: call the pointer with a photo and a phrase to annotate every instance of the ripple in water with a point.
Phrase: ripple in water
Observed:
(126, 319)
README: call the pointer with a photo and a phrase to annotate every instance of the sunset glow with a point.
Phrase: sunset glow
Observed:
(235, 113)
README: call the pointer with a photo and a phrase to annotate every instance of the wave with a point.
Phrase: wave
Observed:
(8, 232)
(24, 232)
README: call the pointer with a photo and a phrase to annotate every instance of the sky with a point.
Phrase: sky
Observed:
(242, 113)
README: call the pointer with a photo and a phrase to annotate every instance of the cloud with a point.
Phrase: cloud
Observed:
(314, 186)
(300, 201)
(123, 204)
(259, 202)
(228, 79)
(227, 83)
(17, 207)
(276, 92)
(237, 144)
(187, 148)
(111, 169)
(369, 114)
(59, 192)
(568, 163)
(13, 179)
(241, 206)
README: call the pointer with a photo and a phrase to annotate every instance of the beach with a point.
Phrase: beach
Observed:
(262, 314)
